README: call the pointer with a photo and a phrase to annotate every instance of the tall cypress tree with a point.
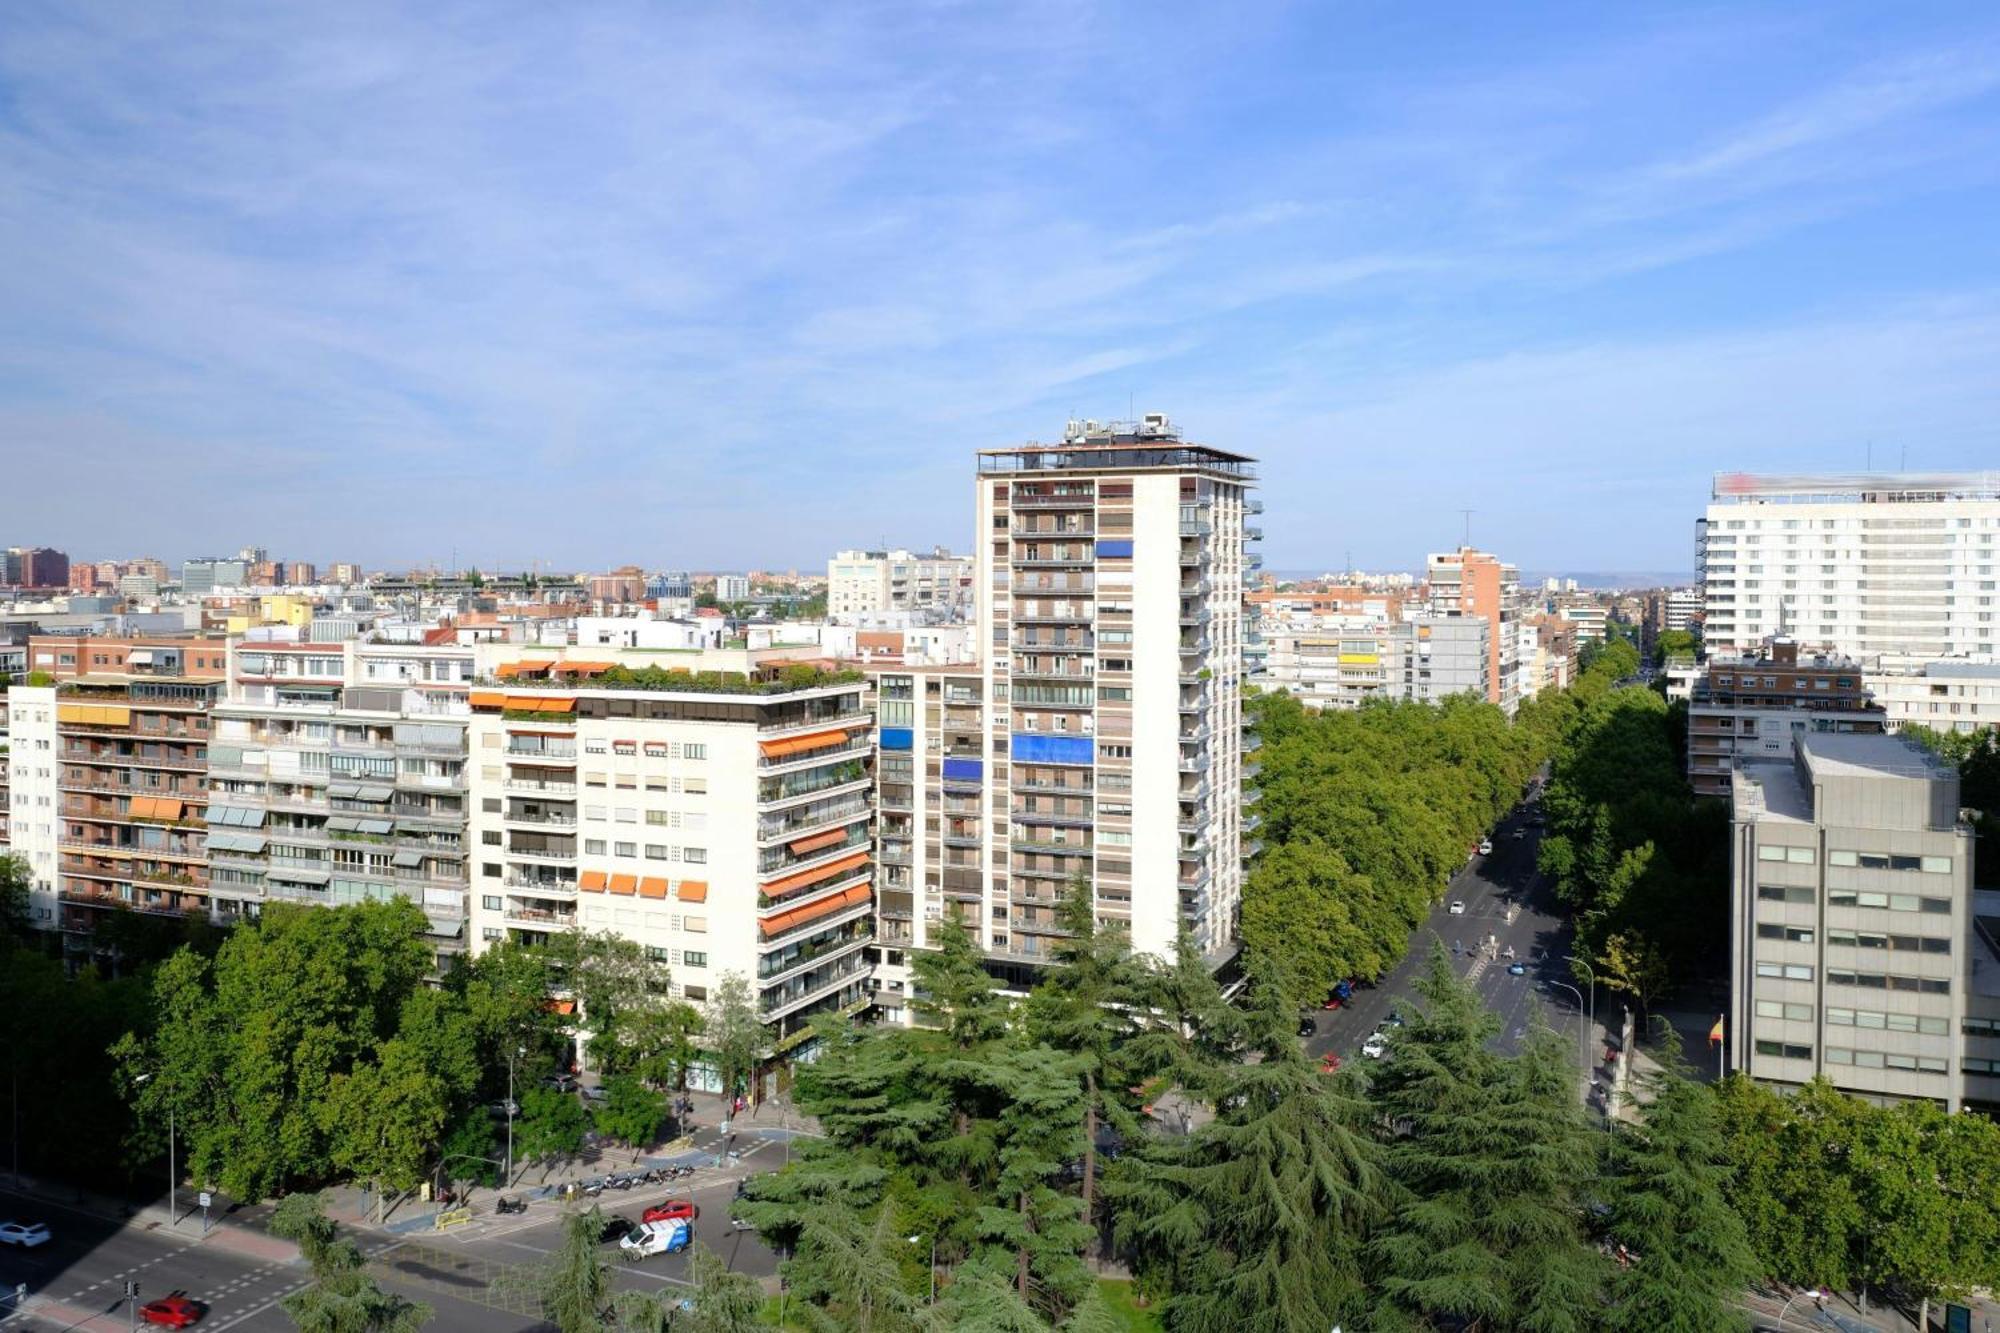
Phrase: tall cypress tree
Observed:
(1690, 1255)
(1252, 1221)
(1487, 1161)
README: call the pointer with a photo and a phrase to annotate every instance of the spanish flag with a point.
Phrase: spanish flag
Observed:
(1715, 1033)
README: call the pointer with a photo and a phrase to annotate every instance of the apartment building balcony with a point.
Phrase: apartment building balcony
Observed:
(107, 759)
(1193, 878)
(1251, 770)
(1252, 560)
(1195, 735)
(541, 887)
(1040, 848)
(1253, 534)
(1253, 506)
(1195, 823)
(1196, 617)
(1197, 762)
(1058, 788)
(542, 819)
(1251, 823)
(1192, 849)
(804, 823)
(773, 863)
(541, 785)
(545, 754)
(1085, 557)
(863, 744)
(1197, 527)
(815, 984)
(780, 966)
(888, 930)
(1082, 614)
(1054, 527)
(537, 918)
(149, 905)
(1252, 743)
(1196, 646)
(1252, 848)
(546, 854)
(1021, 501)
(1252, 795)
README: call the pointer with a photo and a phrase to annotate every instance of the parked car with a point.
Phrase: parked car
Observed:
(505, 1107)
(673, 1210)
(617, 1228)
(1517, 969)
(171, 1312)
(1306, 1025)
(560, 1082)
(1376, 1046)
(1458, 907)
(27, 1234)
(657, 1238)
(1394, 1020)
(1486, 846)
(596, 1093)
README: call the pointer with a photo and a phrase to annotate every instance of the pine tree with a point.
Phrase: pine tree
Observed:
(1252, 1222)
(341, 1298)
(1487, 1163)
(1690, 1256)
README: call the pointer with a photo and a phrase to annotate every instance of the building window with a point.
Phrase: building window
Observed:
(695, 855)
(625, 849)
(694, 958)
(491, 902)
(655, 852)
(1797, 1013)
(1784, 1050)
(593, 846)
(1785, 893)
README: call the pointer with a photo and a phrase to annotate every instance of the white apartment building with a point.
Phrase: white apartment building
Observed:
(1352, 660)
(1467, 583)
(1590, 622)
(33, 823)
(1896, 570)
(1961, 695)
(1109, 598)
(1857, 947)
(1684, 606)
(726, 825)
(337, 774)
(732, 587)
(858, 582)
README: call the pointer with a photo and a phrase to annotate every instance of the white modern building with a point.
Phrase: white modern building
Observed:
(858, 582)
(726, 824)
(1893, 569)
(1473, 584)
(1961, 695)
(1684, 607)
(33, 818)
(732, 587)
(1344, 665)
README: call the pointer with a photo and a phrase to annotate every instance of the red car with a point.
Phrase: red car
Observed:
(673, 1210)
(1330, 1064)
(171, 1312)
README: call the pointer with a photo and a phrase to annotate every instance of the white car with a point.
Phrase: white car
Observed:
(1486, 846)
(1458, 907)
(1376, 1046)
(29, 1234)
(657, 1238)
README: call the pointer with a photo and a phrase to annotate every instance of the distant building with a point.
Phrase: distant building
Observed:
(1469, 583)
(1859, 950)
(620, 587)
(1684, 609)
(732, 587)
(300, 574)
(35, 567)
(858, 582)
(1747, 708)
(1960, 695)
(205, 574)
(344, 573)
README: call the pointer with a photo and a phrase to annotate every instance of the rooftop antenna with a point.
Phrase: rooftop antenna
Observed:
(1468, 524)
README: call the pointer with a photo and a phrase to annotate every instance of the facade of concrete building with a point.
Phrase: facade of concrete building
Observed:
(1900, 568)
(1589, 620)
(337, 775)
(106, 776)
(1857, 948)
(1432, 658)
(931, 816)
(620, 586)
(1475, 584)
(1958, 696)
(858, 582)
(728, 830)
(1426, 658)
(1751, 708)
(732, 587)
(1684, 607)
(1109, 602)
(205, 574)
(38, 567)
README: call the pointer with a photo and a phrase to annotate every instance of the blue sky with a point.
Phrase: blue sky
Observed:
(716, 285)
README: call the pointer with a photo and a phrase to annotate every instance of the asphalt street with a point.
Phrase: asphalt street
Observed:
(1493, 888)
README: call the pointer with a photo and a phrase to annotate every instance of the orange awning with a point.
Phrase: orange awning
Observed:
(800, 916)
(828, 871)
(650, 887)
(488, 699)
(166, 807)
(560, 1006)
(694, 890)
(819, 841)
(625, 884)
(143, 807)
(583, 668)
(591, 881)
(532, 704)
(819, 740)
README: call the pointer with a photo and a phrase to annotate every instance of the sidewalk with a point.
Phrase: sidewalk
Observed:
(183, 1224)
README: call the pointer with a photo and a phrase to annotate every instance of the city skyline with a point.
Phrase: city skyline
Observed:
(718, 290)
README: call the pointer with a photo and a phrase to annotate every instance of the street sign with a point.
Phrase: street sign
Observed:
(204, 1198)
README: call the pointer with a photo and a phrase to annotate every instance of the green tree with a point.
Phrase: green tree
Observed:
(632, 1113)
(1790, 1180)
(383, 1119)
(1254, 1222)
(724, 1301)
(551, 1125)
(953, 991)
(574, 1286)
(1673, 643)
(17, 916)
(341, 1298)
(1488, 1163)
(1690, 1255)
(733, 1033)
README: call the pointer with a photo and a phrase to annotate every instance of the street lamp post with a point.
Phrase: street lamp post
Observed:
(508, 1181)
(1810, 1293)
(918, 1240)
(1582, 1050)
(173, 1175)
(1591, 973)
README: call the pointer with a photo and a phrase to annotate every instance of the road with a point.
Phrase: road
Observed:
(1489, 886)
(474, 1278)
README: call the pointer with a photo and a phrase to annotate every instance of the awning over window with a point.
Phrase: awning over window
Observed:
(799, 916)
(344, 824)
(289, 875)
(625, 884)
(818, 842)
(591, 881)
(583, 668)
(143, 807)
(488, 699)
(377, 826)
(222, 840)
(535, 704)
(694, 891)
(373, 793)
(649, 887)
(409, 860)
(344, 790)
(831, 870)
(819, 740)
